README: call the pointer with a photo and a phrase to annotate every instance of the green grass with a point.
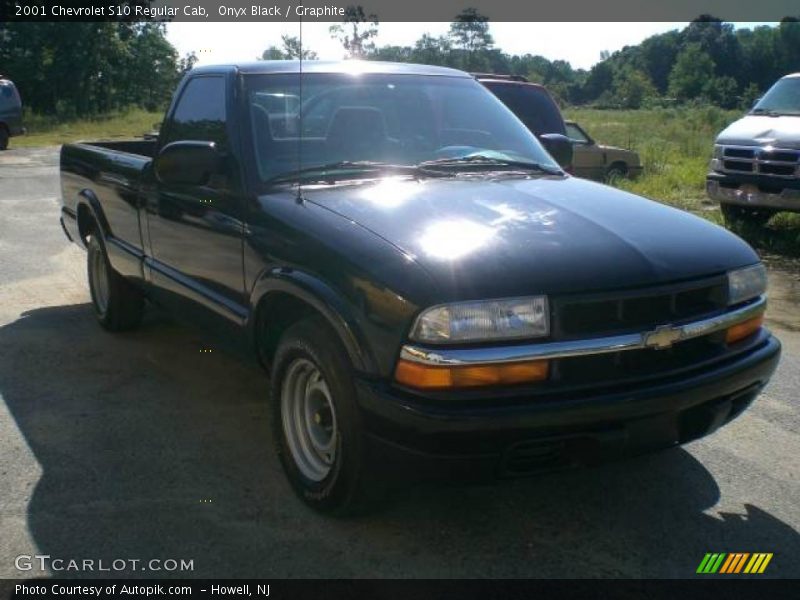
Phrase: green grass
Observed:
(48, 131)
(675, 146)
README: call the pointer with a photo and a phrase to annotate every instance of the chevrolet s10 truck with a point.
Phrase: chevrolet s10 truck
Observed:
(755, 171)
(423, 282)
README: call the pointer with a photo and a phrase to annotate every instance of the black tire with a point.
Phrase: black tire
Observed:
(616, 171)
(3, 137)
(117, 304)
(347, 487)
(735, 214)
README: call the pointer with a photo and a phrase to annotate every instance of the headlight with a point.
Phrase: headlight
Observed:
(509, 319)
(717, 151)
(746, 283)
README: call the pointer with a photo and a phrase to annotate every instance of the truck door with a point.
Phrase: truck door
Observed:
(195, 232)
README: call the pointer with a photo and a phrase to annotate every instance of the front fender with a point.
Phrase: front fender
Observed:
(324, 299)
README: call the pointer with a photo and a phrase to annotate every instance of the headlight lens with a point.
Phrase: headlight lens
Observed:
(746, 283)
(717, 151)
(509, 319)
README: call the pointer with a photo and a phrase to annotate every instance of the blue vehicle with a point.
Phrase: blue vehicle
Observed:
(10, 112)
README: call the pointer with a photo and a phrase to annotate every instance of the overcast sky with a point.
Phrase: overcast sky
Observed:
(578, 43)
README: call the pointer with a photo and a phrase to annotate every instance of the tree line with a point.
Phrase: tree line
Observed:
(82, 69)
(708, 62)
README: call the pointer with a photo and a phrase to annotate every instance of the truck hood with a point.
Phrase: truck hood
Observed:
(512, 236)
(758, 130)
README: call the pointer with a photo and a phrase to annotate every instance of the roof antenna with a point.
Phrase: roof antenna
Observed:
(299, 198)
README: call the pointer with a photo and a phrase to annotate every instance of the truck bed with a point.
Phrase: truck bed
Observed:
(140, 147)
(109, 175)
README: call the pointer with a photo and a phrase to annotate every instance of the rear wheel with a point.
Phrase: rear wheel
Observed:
(3, 137)
(315, 420)
(616, 171)
(118, 305)
(734, 213)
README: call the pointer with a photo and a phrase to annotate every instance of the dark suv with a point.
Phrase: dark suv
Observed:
(10, 112)
(530, 102)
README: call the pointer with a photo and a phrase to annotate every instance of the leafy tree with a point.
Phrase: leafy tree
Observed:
(356, 32)
(79, 68)
(722, 91)
(292, 49)
(432, 50)
(632, 87)
(749, 96)
(693, 69)
(600, 79)
(469, 33)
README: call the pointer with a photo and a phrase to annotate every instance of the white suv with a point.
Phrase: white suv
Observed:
(755, 171)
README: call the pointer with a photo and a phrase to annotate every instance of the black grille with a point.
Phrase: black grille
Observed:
(640, 310)
(761, 161)
(770, 169)
(739, 152)
(736, 165)
(780, 155)
(618, 367)
(637, 311)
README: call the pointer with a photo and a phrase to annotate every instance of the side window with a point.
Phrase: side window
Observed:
(575, 134)
(200, 113)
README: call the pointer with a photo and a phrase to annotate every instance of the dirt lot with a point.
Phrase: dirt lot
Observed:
(138, 446)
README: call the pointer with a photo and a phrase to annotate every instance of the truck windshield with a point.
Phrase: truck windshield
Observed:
(344, 120)
(783, 98)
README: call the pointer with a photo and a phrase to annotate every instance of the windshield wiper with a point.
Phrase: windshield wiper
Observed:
(765, 111)
(480, 160)
(338, 167)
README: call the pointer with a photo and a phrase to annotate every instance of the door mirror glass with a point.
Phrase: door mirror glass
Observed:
(559, 146)
(187, 163)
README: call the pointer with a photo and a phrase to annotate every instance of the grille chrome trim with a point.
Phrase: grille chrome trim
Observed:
(760, 160)
(566, 349)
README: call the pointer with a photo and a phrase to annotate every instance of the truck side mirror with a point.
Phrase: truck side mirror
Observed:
(187, 163)
(559, 146)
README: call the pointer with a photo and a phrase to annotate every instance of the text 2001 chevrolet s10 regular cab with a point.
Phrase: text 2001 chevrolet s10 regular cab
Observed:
(418, 274)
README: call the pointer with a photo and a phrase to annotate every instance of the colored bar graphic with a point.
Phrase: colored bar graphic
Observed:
(741, 562)
(764, 564)
(734, 563)
(727, 564)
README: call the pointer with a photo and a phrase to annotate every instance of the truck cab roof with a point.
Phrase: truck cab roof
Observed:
(266, 67)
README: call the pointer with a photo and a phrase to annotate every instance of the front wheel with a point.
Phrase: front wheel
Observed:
(3, 137)
(733, 213)
(117, 305)
(316, 424)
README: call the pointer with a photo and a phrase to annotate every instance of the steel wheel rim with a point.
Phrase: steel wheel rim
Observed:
(100, 285)
(309, 419)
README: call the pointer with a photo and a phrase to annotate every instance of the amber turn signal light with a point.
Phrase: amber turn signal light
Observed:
(744, 329)
(427, 377)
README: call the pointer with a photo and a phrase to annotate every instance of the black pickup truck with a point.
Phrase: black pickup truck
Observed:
(418, 275)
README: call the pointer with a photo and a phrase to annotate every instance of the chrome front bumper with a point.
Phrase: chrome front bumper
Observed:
(750, 195)
(660, 337)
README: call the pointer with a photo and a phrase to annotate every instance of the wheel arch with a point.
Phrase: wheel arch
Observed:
(90, 216)
(620, 163)
(281, 297)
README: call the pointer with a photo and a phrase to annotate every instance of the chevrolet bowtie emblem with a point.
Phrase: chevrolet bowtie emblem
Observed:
(662, 337)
